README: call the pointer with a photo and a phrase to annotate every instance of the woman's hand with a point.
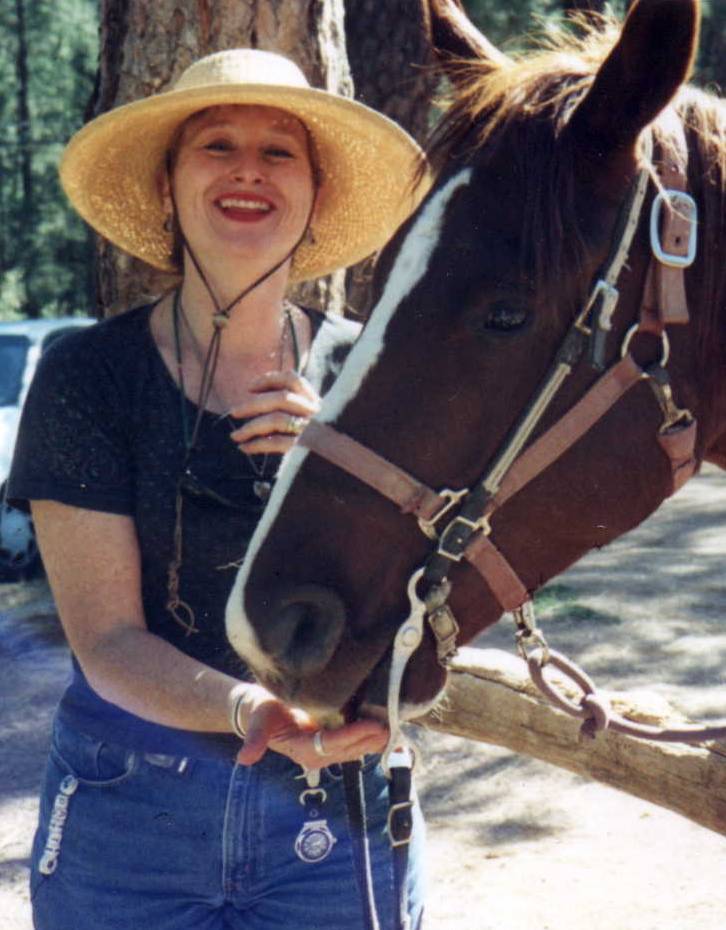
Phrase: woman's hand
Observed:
(281, 406)
(270, 724)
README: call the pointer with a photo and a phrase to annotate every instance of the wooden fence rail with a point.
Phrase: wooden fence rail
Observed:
(490, 698)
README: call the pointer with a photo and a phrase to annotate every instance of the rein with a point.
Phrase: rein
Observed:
(467, 534)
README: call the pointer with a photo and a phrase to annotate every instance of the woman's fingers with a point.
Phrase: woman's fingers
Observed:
(271, 724)
(278, 390)
(265, 719)
(284, 380)
(283, 422)
(289, 401)
(277, 412)
(327, 747)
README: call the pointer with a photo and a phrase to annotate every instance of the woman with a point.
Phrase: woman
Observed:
(148, 446)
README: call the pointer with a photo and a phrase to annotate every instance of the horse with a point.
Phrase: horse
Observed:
(541, 163)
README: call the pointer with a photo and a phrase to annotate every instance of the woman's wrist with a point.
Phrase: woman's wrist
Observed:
(238, 697)
(239, 707)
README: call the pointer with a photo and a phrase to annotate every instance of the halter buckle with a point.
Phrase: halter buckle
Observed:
(454, 539)
(608, 296)
(600, 307)
(452, 498)
(678, 201)
(399, 823)
(528, 633)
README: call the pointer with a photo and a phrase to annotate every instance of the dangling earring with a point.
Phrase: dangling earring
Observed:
(167, 225)
(310, 236)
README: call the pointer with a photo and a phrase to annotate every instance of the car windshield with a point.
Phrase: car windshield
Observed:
(13, 353)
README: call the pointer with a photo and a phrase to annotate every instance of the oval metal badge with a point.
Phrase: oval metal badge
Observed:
(314, 841)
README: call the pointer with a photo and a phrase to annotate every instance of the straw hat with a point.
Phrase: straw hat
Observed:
(110, 167)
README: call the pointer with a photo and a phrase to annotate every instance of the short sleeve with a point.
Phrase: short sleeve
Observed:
(73, 444)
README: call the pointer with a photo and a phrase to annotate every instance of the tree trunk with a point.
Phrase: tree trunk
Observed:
(393, 72)
(391, 61)
(490, 698)
(31, 308)
(144, 49)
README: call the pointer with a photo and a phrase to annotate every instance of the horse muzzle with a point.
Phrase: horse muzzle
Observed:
(303, 629)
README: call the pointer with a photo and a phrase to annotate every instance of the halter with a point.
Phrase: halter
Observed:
(467, 534)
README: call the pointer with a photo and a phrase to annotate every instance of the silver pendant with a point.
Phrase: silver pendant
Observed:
(262, 489)
(314, 841)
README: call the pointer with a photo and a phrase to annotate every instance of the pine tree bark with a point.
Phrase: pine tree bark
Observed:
(144, 49)
(391, 61)
(393, 71)
(31, 307)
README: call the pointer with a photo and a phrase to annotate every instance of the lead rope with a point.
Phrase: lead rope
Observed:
(399, 827)
(593, 708)
(355, 809)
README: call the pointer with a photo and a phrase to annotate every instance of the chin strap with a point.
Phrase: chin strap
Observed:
(221, 314)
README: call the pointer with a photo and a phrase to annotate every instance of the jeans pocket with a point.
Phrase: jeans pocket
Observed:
(91, 761)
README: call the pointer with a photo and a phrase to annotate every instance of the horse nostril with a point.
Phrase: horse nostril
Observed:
(304, 629)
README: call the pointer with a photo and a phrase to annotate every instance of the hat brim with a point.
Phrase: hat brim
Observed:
(371, 172)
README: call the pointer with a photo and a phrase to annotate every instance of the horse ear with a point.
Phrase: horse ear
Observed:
(454, 38)
(640, 76)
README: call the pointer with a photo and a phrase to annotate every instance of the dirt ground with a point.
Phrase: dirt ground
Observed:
(514, 844)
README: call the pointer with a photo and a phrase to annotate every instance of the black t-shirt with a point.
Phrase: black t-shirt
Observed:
(102, 429)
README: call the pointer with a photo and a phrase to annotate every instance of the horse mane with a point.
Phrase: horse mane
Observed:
(533, 97)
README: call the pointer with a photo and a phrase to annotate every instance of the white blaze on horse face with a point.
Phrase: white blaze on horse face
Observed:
(410, 266)
(408, 269)
(240, 632)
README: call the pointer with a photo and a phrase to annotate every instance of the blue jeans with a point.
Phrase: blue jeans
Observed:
(136, 841)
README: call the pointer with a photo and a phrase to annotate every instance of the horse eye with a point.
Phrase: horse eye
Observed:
(501, 317)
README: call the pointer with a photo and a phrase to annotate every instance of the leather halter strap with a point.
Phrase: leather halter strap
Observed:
(372, 469)
(413, 497)
(672, 224)
(467, 535)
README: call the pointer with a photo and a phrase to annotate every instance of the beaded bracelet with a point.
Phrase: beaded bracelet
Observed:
(234, 717)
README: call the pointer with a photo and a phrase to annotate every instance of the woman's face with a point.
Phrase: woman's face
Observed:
(242, 182)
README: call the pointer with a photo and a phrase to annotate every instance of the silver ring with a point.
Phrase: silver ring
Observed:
(318, 744)
(296, 425)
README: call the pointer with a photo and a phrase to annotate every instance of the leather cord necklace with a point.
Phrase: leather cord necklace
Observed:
(181, 611)
(207, 390)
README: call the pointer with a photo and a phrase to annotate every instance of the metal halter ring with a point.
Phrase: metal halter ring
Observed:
(295, 425)
(318, 744)
(664, 341)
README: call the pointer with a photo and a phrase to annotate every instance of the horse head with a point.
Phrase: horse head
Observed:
(475, 295)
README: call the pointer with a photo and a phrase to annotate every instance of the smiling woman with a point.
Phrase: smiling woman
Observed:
(246, 176)
(148, 447)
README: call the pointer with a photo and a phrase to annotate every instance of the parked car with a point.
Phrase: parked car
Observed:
(21, 345)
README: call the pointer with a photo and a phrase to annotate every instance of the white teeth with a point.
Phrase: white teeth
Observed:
(240, 203)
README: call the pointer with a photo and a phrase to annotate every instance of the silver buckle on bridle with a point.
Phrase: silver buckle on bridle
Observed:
(452, 498)
(407, 640)
(436, 610)
(678, 201)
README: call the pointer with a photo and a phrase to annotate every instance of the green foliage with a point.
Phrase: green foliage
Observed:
(510, 25)
(45, 251)
(712, 58)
